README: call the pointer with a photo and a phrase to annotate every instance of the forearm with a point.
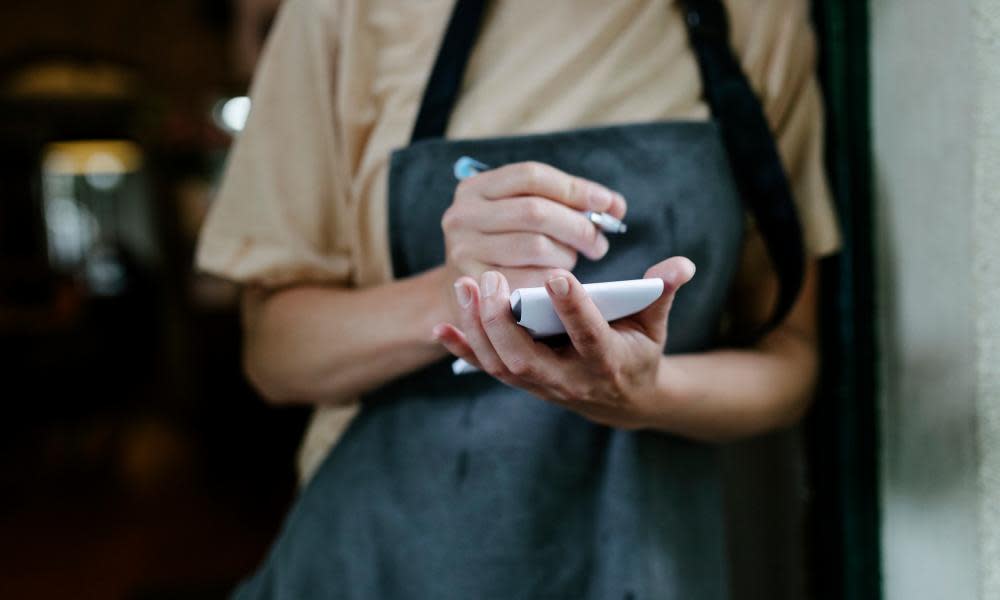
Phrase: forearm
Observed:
(316, 345)
(728, 394)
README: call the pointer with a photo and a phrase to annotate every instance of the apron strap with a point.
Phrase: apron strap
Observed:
(449, 68)
(753, 156)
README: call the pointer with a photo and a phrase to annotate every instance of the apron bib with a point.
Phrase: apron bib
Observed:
(450, 487)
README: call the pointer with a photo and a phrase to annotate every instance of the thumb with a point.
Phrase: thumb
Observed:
(674, 272)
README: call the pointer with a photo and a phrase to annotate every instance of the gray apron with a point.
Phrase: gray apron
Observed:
(448, 487)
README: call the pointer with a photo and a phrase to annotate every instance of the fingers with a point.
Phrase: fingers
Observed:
(618, 207)
(538, 179)
(522, 357)
(467, 291)
(525, 277)
(526, 215)
(454, 341)
(674, 272)
(513, 250)
(529, 214)
(585, 325)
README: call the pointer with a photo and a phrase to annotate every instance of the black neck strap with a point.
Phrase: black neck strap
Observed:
(449, 68)
(752, 153)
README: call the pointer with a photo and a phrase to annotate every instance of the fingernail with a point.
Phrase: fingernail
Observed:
(490, 283)
(685, 272)
(676, 274)
(463, 294)
(559, 286)
(624, 203)
(602, 246)
(604, 199)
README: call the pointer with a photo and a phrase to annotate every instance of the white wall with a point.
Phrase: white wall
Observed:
(986, 279)
(936, 129)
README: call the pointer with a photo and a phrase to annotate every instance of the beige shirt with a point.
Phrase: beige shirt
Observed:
(338, 86)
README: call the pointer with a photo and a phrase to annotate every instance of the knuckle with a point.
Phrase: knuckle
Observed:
(572, 310)
(491, 318)
(495, 367)
(607, 370)
(574, 188)
(534, 173)
(564, 389)
(537, 245)
(451, 220)
(521, 367)
(533, 213)
(587, 336)
(581, 393)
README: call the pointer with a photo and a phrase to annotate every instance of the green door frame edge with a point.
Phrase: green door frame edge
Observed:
(845, 557)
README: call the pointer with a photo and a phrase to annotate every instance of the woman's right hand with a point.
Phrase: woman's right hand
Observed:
(524, 220)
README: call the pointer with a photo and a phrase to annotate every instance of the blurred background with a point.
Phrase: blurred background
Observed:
(136, 462)
(134, 459)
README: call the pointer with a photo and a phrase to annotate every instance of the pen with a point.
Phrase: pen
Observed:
(467, 166)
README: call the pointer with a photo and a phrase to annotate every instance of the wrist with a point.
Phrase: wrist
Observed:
(665, 395)
(442, 288)
(430, 304)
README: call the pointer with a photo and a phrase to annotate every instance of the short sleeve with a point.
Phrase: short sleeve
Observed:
(279, 215)
(800, 142)
(778, 51)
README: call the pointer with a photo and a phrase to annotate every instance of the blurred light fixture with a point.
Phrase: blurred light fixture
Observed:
(87, 203)
(71, 78)
(230, 114)
(92, 157)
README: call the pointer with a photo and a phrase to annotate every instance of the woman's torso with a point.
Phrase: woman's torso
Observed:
(464, 487)
(536, 67)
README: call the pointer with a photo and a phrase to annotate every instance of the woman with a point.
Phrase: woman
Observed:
(581, 471)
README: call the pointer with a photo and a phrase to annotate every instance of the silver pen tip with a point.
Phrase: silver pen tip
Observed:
(606, 222)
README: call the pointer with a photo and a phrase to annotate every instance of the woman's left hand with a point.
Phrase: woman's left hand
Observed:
(609, 372)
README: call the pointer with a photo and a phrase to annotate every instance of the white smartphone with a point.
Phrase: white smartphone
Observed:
(533, 309)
